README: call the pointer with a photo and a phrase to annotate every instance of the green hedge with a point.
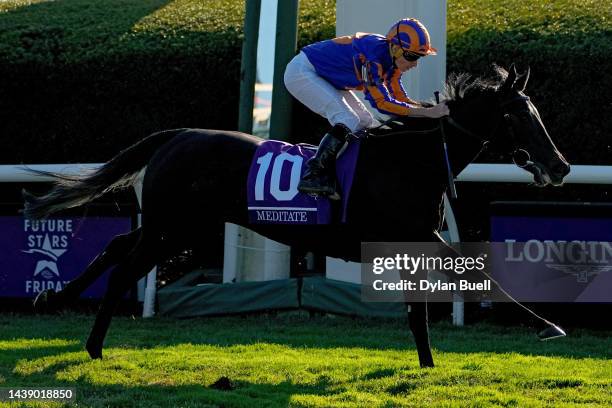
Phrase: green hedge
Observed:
(81, 79)
(567, 44)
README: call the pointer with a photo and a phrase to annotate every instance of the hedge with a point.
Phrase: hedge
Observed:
(81, 79)
(567, 44)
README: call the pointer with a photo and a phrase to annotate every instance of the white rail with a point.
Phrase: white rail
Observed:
(476, 172)
(509, 173)
(492, 173)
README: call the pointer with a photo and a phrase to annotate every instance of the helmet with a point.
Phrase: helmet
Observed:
(411, 35)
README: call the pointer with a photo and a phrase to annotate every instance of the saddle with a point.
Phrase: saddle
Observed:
(276, 170)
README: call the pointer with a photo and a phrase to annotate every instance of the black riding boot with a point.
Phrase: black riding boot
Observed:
(320, 176)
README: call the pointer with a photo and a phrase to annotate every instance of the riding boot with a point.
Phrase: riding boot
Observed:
(320, 176)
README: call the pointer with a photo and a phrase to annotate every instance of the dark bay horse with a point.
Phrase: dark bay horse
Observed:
(195, 181)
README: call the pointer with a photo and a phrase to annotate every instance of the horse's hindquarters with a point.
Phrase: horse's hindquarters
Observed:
(196, 183)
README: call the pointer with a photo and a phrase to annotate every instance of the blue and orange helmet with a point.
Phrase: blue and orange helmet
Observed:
(412, 36)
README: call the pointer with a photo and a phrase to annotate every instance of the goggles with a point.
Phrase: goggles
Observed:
(410, 56)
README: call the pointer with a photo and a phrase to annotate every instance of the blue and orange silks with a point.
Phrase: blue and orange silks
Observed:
(344, 61)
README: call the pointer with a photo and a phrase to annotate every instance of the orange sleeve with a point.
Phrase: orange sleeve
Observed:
(397, 89)
(377, 93)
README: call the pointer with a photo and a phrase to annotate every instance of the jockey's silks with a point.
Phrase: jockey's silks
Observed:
(344, 61)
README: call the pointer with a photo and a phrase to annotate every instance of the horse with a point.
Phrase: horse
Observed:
(195, 181)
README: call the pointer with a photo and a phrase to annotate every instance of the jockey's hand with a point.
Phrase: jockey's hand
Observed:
(426, 104)
(436, 111)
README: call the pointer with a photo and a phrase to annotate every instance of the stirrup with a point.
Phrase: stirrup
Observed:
(319, 190)
(334, 197)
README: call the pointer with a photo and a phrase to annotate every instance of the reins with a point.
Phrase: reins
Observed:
(399, 132)
(522, 162)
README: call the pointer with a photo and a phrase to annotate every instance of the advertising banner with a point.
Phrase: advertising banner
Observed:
(555, 252)
(47, 254)
(532, 271)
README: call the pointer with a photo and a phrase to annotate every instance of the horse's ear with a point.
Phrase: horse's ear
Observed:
(521, 81)
(510, 79)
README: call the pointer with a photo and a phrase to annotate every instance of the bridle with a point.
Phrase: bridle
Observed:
(517, 151)
(449, 121)
(520, 156)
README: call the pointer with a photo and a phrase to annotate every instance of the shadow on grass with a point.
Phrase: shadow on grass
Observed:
(40, 365)
(11, 359)
(298, 331)
(245, 394)
(389, 335)
(50, 361)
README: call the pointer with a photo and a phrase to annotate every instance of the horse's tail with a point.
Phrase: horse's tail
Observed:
(75, 190)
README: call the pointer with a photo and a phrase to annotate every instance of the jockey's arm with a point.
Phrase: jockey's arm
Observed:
(394, 83)
(380, 97)
(399, 93)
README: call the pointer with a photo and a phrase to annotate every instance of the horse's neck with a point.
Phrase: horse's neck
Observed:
(418, 141)
(466, 143)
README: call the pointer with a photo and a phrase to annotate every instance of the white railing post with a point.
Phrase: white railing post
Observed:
(150, 281)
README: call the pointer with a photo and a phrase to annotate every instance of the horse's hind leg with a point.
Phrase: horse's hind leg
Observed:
(417, 318)
(115, 251)
(138, 263)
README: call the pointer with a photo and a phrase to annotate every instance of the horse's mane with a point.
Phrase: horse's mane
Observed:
(461, 86)
(458, 88)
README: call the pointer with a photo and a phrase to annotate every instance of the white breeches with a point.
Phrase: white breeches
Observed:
(320, 96)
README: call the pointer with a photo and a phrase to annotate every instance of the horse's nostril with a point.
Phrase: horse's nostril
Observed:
(561, 169)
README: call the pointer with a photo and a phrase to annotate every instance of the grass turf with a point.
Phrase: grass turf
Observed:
(297, 361)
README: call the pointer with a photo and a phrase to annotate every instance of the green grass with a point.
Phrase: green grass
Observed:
(297, 361)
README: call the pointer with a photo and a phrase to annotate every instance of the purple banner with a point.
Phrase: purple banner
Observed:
(554, 259)
(47, 254)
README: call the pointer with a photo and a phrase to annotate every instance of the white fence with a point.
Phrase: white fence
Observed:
(476, 172)
(509, 173)
(495, 173)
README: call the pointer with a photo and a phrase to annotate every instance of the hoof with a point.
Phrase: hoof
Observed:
(551, 332)
(94, 351)
(94, 354)
(46, 302)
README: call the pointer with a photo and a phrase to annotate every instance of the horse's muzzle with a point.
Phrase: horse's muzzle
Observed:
(544, 175)
(560, 170)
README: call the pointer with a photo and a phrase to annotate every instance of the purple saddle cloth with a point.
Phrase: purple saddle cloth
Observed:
(276, 170)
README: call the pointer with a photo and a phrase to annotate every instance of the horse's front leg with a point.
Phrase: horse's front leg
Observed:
(417, 318)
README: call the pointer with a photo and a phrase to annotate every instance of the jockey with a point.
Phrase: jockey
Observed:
(324, 74)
